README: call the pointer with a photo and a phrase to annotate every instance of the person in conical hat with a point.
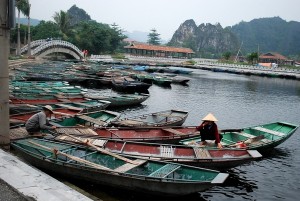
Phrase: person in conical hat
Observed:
(209, 130)
(39, 121)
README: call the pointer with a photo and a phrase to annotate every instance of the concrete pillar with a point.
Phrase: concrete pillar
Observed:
(4, 98)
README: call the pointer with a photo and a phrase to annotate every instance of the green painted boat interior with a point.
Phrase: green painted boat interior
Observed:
(72, 121)
(271, 132)
(149, 168)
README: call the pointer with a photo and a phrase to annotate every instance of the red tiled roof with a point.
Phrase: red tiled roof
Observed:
(159, 48)
(271, 55)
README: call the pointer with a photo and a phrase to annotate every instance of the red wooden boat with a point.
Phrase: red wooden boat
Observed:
(196, 156)
(45, 101)
(21, 118)
(151, 134)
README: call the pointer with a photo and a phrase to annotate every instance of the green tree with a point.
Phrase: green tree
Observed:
(153, 37)
(226, 55)
(96, 37)
(46, 30)
(252, 57)
(62, 20)
(117, 34)
(22, 7)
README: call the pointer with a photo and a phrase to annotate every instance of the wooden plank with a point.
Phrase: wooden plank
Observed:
(77, 131)
(92, 120)
(201, 153)
(247, 135)
(165, 171)
(69, 107)
(171, 130)
(269, 131)
(128, 166)
(83, 104)
(166, 151)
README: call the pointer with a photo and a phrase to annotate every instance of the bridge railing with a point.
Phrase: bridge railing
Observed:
(56, 43)
(33, 44)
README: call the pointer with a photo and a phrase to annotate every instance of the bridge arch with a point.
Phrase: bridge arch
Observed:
(41, 48)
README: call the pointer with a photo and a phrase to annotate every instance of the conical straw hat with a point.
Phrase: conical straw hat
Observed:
(210, 117)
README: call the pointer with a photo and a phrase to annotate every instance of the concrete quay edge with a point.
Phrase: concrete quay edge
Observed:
(32, 183)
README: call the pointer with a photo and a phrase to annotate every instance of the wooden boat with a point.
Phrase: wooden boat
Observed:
(163, 118)
(195, 156)
(81, 163)
(155, 134)
(121, 100)
(17, 119)
(83, 107)
(261, 137)
(178, 70)
(93, 119)
(180, 80)
(48, 90)
(44, 99)
(127, 84)
(38, 84)
(162, 81)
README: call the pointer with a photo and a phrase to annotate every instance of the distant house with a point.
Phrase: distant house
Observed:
(277, 58)
(143, 49)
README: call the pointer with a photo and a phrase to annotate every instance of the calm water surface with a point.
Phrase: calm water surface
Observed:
(237, 101)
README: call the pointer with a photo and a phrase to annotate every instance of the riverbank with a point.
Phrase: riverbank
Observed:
(205, 64)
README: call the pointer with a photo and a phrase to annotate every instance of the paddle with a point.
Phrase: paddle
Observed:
(74, 158)
(87, 142)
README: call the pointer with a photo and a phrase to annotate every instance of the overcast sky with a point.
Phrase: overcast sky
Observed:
(167, 15)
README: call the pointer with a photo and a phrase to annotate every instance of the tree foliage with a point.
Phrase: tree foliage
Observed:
(23, 7)
(226, 55)
(252, 57)
(62, 20)
(46, 30)
(96, 37)
(153, 37)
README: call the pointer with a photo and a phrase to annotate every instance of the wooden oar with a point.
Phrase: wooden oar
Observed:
(87, 142)
(74, 158)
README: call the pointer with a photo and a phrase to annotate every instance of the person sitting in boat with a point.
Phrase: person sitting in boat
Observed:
(39, 121)
(209, 130)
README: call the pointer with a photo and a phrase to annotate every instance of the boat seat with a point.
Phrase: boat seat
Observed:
(269, 131)
(98, 142)
(171, 130)
(128, 166)
(247, 135)
(133, 122)
(76, 131)
(166, 151)
(83, 104)
(165, 171)
(92, 120)
(69, 107)
(63, 100)
(201, 153)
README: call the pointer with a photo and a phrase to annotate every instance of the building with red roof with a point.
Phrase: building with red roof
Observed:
(272, 57)
(142, 49)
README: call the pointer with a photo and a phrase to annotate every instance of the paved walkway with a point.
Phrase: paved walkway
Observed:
(27, 183)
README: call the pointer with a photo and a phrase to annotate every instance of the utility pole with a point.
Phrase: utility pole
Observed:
(7, 17)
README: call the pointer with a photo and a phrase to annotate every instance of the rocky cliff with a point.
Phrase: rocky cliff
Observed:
(205, 38)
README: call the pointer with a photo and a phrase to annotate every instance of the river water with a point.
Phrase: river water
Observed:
(237, 101)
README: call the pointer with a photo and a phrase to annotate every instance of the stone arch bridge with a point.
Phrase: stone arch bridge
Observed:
(41, 48)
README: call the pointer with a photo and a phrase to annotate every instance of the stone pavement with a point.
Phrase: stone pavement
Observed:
(28, 183)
